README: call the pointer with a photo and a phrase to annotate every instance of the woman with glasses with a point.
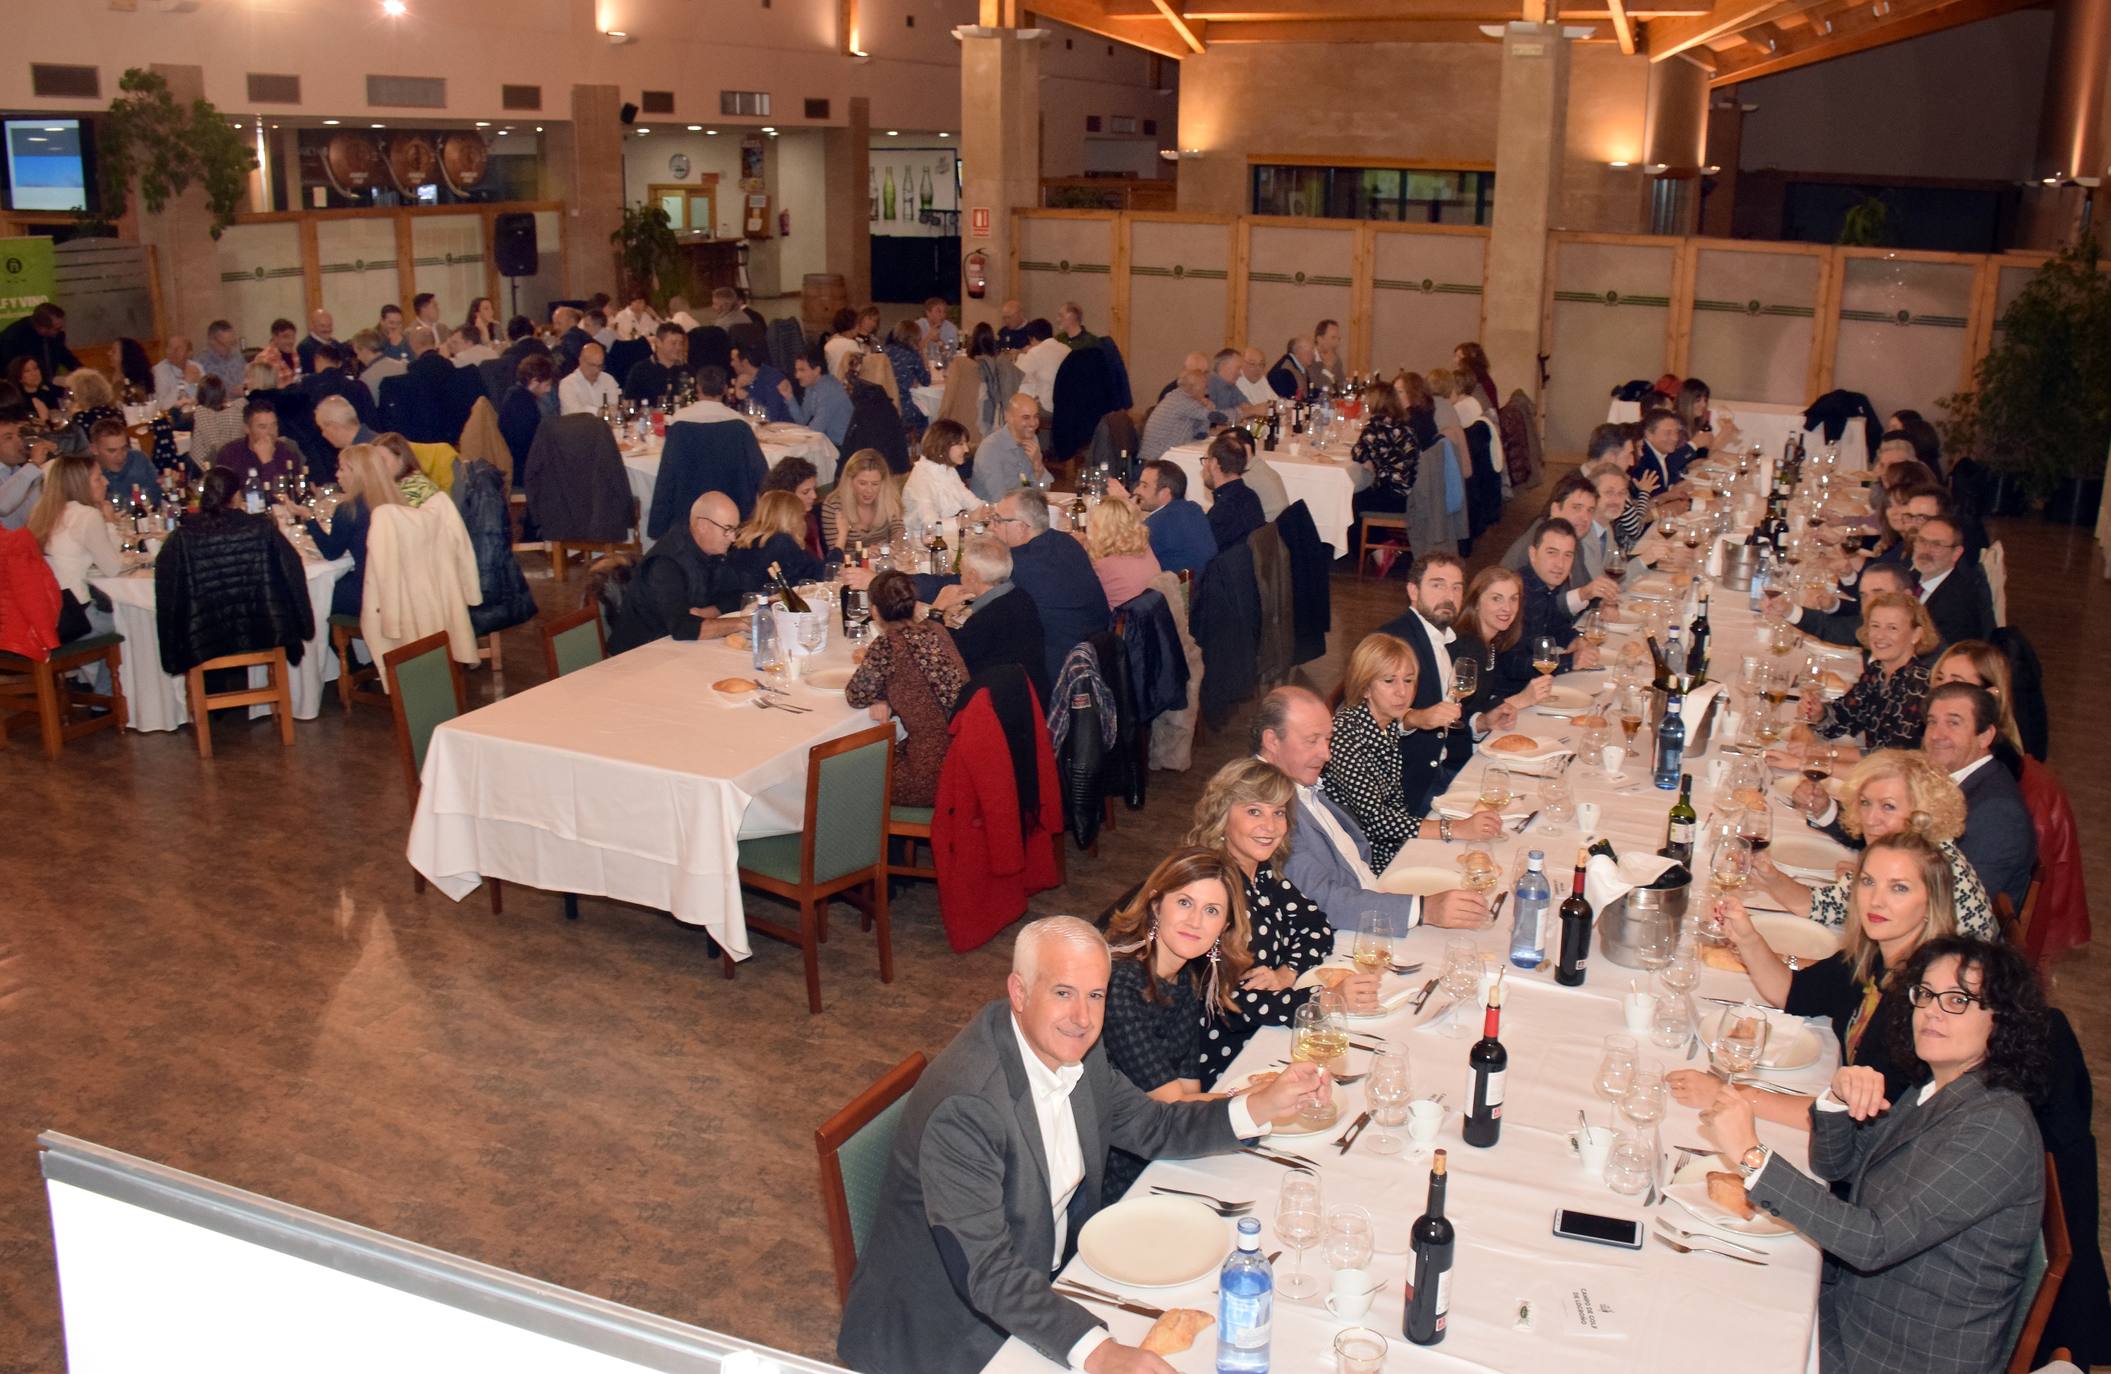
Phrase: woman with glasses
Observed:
(1902, 899)
(1926, 1255)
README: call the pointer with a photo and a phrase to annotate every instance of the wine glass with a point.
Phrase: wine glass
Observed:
(1729, 868)
(1298, 1223)
(1555, 798)
(1495, 788)
(1546, 655)
(1671, 1022)
(1632, 711)
(1739, 1041)
(1387, 1091)
(1755, 825)
(1347, 1240)
(1461, 978)
(1592, 627)
(1682, 970)
(1645, 1100)
(1616, 1068)
(1374, 942)
(1465, 678)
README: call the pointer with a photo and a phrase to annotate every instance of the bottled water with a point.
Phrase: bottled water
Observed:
(1245, 1305)
(1528, 933)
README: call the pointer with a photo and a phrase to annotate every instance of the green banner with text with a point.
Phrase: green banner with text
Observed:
(27, 277)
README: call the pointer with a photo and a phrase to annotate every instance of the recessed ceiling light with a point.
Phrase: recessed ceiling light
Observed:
(538, 128)
(503, 132)
(894, 133)
(945, 135)
(332, 121)
(377, 126)
(643, 132)
(711, 133)
(394, 9)
(769, 129)
(696, 128)
(483, 124)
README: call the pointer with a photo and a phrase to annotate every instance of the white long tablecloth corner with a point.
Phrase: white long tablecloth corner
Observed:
(1327, 486)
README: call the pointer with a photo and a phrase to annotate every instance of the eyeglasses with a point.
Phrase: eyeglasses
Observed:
(727, 530)
(1952, 1000)
(1006, 520)
(1938, 544)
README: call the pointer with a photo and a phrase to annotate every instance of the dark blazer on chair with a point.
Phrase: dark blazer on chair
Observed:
(1999, 836)
(1924, 1260)
(1234, 512)
(1005, 629)
(959, 1254)
(1288, 378)
(1055, 571)
(1963, 606)
(722, 455)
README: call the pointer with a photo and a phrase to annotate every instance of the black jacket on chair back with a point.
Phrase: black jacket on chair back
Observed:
(480, 495)
(580, 491)
(721, 455)
(229, 583)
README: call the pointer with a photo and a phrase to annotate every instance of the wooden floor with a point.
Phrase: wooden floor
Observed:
(222, 967)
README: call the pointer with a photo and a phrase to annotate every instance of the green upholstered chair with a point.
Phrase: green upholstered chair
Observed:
(854, 1145)
(42, 688)
(425, 692)
(573, 642)
(841, 849)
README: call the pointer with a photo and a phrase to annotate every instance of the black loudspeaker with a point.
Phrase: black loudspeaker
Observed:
(629, 112)
(513, 244)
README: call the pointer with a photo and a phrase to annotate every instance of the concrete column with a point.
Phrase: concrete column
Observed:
(1726, 123)
(1529, 130)
(846, 158)
(180, 234)
(1000, 150)
(585, 163)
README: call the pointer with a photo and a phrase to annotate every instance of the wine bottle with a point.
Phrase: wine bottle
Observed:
(1605, 847)
(1697, 652)
(1575, 930)
(790, 598)
(1429, 1280)
(1486, 1064)
(1678, 831)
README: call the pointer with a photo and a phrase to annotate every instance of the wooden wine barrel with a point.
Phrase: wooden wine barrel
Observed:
(823, 295)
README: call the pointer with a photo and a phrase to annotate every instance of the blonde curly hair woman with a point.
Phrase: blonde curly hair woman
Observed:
(1891, 792)
(1120, 546)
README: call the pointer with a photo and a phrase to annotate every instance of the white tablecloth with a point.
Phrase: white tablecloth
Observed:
(778, 442)
(927, 398)
(1672, 1308)
(624, 780)
(1327, 486)
(155, 700)
(1769, 425)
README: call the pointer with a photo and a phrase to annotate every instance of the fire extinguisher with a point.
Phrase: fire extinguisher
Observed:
(974, 268)
(784, 224)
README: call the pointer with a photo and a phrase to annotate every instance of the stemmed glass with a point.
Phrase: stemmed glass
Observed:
(1681, 971)
(1644, 1101)
(1755, 825)
(1616, 1068)
(1739, 1041)
(1671, 1021)
(1546, 655)
(1555, 798)
(1347, 1242)
(1387, 1092)
(1729, 868)
(1465, 678)
(1495, 788)
(1374, 942)
(1461, 979)
(1298, 1223)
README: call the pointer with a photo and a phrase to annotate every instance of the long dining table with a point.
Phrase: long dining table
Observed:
(1521, 1298)
(631, 779)
(1320, 476)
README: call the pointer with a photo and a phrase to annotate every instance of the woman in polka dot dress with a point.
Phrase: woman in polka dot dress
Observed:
(1245, 811)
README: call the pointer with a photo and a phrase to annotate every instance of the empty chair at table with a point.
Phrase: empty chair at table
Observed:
(719, 455)
(912, 673)
(228, 582)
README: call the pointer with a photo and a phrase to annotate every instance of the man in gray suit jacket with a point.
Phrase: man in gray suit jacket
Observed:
(1999, 836)
(1330, 856)
(997, 1164)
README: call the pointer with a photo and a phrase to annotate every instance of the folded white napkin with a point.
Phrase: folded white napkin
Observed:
(1606, 882)
(1695, 707)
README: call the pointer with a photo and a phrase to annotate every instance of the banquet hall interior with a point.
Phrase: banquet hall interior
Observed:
(581, 438)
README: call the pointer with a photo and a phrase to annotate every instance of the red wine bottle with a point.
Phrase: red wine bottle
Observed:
(1575, 930)
(1429, 1281)
(1487, 1063)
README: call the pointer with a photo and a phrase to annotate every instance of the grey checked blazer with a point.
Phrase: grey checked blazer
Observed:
(959, 1254)
(1924, 1265)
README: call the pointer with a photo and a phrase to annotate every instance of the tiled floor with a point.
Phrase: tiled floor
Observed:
(221, 967)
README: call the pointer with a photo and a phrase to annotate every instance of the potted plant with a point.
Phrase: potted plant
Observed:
(649, 253)
(147, 137)
(2039, 411)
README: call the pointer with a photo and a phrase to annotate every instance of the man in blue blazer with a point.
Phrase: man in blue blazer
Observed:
(1665, 455)
(1180, 532)
(1054, 570)
(1999, 837)
(1437, 742)
(1331, 861)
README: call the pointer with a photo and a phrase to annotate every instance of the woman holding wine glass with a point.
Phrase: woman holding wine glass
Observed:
(1904, 895)
(1364, 768)
(1888, 704)
(1179, 949)
(1245, 812)
(1890, 791)
(1490, 631)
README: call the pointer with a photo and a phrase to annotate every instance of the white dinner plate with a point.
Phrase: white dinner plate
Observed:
(1564, 701)
(1689, 1189)
(1786, 933)
(1802, 852)
(1422, 880)
(1154, 1241)
(1790, 1042)
(828, 679)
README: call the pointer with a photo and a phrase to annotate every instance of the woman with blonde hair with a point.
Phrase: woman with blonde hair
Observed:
(1363, 771)
(1903, 897)
(1888, 704)
(71, 525)
(1179, 948)
(864, 506)
(366, 473)
(774, 535)
(1890, 792)
(1120, 545)
(411, 480)
(1246, 811)
(89, 398)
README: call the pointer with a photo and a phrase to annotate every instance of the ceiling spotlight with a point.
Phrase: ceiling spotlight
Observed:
(377, 126)
(1657, 169)
(894, 133)
(1169, 154)
(710, 133)
(2051, 181)
(394, 9)
(1711, 169)
(643, 132)
(943, 134)
(769, 129)
(1619, 164)
(333, 121)
(538, 128)
(503, 132)
(696, 128)
(617, 38)
(483, 124)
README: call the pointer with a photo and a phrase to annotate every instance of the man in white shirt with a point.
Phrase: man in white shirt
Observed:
(636, 320)
(1253, 379)
(176, 377)
(589, 387)
(1438, 744)
(1002, 1147)
(710, 406)
(1331, 861)
(1038, 364)
(467, 348)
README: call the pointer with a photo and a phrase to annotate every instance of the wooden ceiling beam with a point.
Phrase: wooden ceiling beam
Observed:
(1623, 27)
(1362, 31)
(1191, 31)
(1851, 34)
(1152, 34)
(1667, 38)
(1329, 11)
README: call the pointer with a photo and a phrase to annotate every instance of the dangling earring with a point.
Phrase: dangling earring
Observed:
(1209, 992)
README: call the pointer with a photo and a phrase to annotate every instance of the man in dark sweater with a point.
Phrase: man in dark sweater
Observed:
(682, 588)
(1054, 571)
(992, 621)
(41, 334)
(651, 378)
(1235, 508)
(1843, 622)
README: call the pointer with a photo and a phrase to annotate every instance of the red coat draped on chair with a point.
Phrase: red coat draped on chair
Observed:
(989, 862)
(2062, 920)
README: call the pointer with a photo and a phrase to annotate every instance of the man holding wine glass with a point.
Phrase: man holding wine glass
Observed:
(1551, 555)
(1439, 737)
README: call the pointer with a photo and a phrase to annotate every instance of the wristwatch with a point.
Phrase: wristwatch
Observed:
(1753, 1160)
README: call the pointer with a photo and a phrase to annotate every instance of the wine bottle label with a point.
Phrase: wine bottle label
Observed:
(1443, 1297)
(1682, 832)
(1490, 1086)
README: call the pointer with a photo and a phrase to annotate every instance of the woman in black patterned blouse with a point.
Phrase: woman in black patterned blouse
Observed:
(1889, 703)
(1388, 448)
(1245, 811)
(1363, 768)
(1180, 948)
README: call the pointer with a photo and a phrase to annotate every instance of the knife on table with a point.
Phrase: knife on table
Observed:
(1356, 1127)
(1118, 1304)
(1525, 824)
(1421, 1000)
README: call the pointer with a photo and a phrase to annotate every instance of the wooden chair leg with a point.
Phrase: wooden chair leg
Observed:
(810, 955)
(51, 723)
(571, 906)
(282, 684)
(417, 882)
(498, 660)
(201, 719)
(115, 657)
(498, 896)
(341, 640)
(558, 556)
(884, 924)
